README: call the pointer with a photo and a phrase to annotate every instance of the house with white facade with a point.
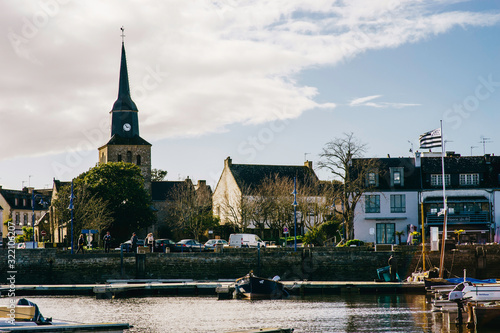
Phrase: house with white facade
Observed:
(409, 192)
(237, 182)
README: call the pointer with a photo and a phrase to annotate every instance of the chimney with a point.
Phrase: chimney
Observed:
(202, 183)
(417, 159)
(487, 158)
(308, 164)
(228, 161)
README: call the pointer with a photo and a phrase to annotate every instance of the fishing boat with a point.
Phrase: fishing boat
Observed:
(253, 287)
(24, 316)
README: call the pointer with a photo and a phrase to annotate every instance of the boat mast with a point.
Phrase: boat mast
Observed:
(445, 207)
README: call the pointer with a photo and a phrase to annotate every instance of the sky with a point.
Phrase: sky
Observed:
(261, 81)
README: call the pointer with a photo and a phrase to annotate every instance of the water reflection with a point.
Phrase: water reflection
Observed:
(335, 313)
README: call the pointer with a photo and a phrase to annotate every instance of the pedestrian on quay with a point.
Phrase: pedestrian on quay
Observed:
(107, 242)
(133, 241)
(393, 268)
(150, 241)
(81, 243)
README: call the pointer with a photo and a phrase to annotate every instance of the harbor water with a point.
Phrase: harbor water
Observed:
(333, 313)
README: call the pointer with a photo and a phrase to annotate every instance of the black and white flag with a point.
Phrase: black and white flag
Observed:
(431, 139)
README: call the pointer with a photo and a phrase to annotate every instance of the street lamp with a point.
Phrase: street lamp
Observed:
(295, 211)
(71, 197)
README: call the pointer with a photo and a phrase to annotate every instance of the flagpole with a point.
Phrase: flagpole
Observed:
(441, 262)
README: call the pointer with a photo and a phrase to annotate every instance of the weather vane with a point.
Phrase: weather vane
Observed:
(123, 33)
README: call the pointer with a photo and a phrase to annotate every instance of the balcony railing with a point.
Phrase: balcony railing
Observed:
(461, 218)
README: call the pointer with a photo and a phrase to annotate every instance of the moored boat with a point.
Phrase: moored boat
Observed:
(253, 287)
(479, 292)
(24, 316)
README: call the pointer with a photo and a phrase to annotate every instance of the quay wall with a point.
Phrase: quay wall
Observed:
(52, 266)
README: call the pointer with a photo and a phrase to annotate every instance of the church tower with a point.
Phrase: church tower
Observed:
(125, 144)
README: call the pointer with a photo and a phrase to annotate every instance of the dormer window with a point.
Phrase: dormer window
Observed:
(469, 179)
(372, 178)
(397, 176)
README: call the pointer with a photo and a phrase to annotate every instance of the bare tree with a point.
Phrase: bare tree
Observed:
(338, 156)
(275, 193)
(235, 208)
(191, 209)
(89, 212)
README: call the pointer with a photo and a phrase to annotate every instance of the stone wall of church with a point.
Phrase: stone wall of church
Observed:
(143, 152)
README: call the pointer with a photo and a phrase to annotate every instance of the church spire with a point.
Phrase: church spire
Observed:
(124, 101)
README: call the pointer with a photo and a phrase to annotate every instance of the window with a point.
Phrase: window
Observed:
(138, 159)
(437, 179)
(18, 219)
(372, 203)
(385, 233)
(398, 203)
(397, 176)
(119, 157)
(25, 219)
(129, 156)
(372, 178)
(469, 179)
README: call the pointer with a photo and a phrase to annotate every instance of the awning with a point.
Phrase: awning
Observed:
(456, 199)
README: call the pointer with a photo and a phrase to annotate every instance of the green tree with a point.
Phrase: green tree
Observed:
(121, 185)
(158, 175)
(110, 197)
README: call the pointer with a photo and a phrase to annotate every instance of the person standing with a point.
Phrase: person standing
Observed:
(107, 242)
(81, 243)
(150, 242)
(133, 242)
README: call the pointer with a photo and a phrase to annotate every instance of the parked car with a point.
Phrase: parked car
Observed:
(162, 244)
(211, 244)
(189, 245)
(245, 240)
(127, 246)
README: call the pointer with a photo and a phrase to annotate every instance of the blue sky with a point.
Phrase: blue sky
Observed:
(265, 82)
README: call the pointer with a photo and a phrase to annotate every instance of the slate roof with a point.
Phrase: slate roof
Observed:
(59, 184)
(124, 101)
(24, 199)
(411, 175)
(161, 191)
(488, 168)
(252, 175)
(135, 140)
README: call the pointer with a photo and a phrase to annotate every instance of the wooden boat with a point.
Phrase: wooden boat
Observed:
(26, 317)
(253, 287)
(483, 315)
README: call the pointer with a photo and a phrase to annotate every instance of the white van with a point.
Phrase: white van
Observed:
(245, 240)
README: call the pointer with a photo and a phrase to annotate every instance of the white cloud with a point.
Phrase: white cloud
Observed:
(367, 101)
(194, 66)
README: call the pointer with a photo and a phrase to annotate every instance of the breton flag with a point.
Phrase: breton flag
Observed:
(431, 139)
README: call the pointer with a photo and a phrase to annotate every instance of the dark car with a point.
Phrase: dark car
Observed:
(127, 246)
(162, 244)
(188, 245)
